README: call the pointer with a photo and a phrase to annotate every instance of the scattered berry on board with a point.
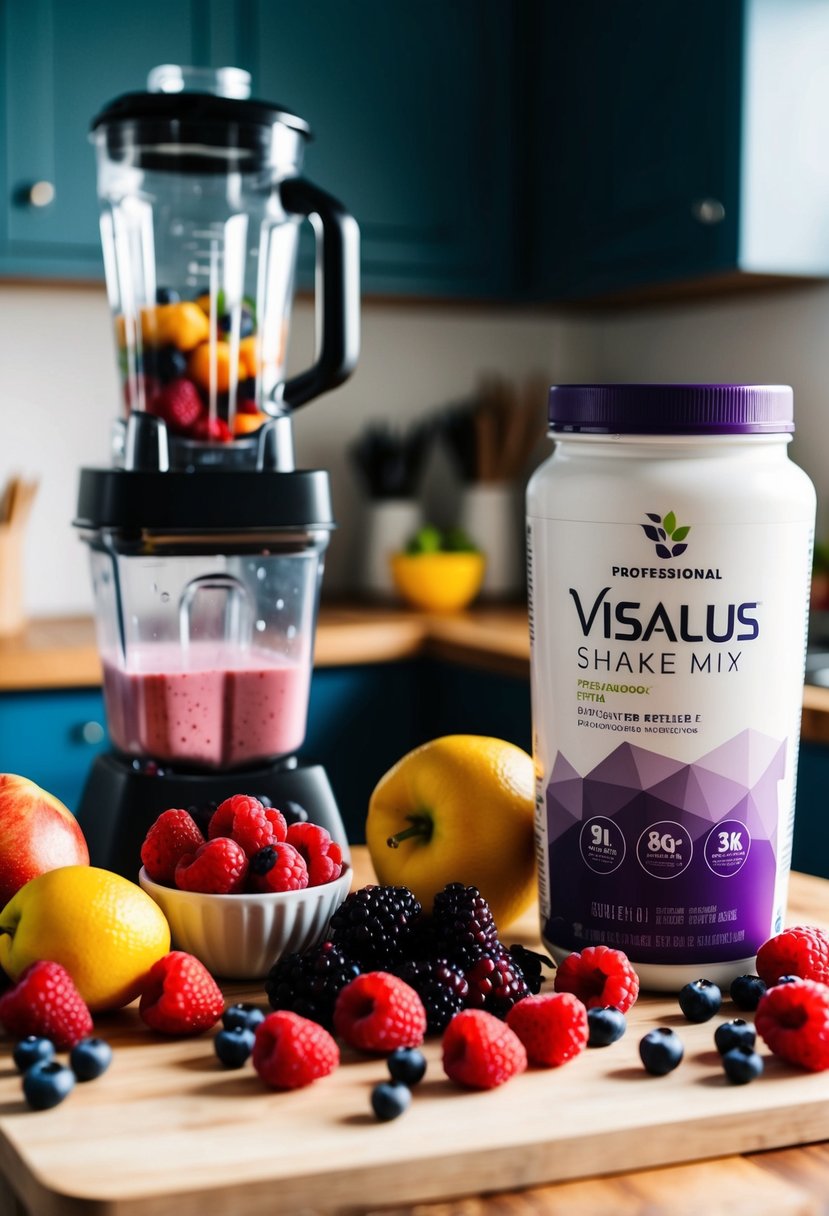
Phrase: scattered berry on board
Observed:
(736, 1033)
(496, 981)
(390, 1099)
(553, 1027)
(377, 1012)
(441, 986)
(742, 1064)
(46, 1003)
(218, 867)
(374, 926)
(787, 979)
(289, 1052)
(462, 924)
(34, 1049)
(480, 1051)
(793, 1022)
(241, 1014)
(309, 984)
(407, 1065)
(233, 1047)
(661, 1051)
(90, 1058)
(746, 991)
(700, 1000)
(278, 867)
(802, 950)
(173, 834)
(47, 1084)
(180, 996)
(599, 975)
(605, 1025)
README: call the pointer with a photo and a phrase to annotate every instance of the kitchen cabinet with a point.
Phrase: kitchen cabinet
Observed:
(679, 148)
(53, 737)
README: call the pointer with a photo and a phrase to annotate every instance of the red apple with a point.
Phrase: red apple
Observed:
(37, 833)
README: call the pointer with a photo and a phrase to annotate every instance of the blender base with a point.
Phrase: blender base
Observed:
(120, 802)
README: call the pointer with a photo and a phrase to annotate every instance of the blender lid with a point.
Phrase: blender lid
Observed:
(204, 501)
(195, 110)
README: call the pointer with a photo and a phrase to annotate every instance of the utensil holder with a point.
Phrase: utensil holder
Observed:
(490, 514)
(389, 523)
(12, 616)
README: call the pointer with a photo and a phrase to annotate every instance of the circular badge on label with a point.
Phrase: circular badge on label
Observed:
(664, 849)
(726, 848)
(602, 845)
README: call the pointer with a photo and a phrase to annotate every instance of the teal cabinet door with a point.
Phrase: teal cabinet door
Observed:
(63, 60)
(412, 108)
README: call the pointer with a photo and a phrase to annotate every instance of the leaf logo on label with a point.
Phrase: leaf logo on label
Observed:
(663, 529)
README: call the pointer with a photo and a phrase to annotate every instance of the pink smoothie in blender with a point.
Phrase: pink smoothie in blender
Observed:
(208, 705)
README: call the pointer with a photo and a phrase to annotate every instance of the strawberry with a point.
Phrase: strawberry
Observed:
(218, 867)
(172, 835)
(180, 996)
(290, 1052)
(379, 1012)
(552, 1027)
(179, 405)
(323, 857)
(248, 822)
(46, 1003)
(480, 1052)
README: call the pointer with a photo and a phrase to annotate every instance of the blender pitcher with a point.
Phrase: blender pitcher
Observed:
(201, 204)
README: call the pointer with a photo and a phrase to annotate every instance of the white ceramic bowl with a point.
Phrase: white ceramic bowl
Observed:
(242, 936)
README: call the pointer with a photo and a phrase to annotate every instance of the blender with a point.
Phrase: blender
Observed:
(206, 543)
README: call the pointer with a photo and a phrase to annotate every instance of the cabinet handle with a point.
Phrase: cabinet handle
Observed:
(708, 211)
(40, 194)
(91, 732)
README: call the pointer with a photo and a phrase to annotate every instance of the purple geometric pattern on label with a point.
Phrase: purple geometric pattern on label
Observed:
(697, 915)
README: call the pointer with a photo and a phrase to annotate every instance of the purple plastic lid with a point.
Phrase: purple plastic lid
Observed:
(671, 409)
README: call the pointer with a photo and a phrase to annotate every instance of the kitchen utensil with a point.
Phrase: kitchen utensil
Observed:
(206, 544)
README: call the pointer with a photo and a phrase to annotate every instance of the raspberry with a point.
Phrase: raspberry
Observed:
(599, 976)
(462, 924)
(553, 1027)
(441, 986)
(290, 1052)
(179, 405)
(803, 951)
(375, 926)
(480, 1052)
(218, 867)
(46, 1003)
(308, 984)
(323, 857)
(172, 835)
(378, 1012)
(180, 996)
(278, 868)
(793, 1021)
(245, 820)
(496, 982)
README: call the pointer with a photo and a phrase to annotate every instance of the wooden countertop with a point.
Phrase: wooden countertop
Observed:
(61, 652)
(167, 1132)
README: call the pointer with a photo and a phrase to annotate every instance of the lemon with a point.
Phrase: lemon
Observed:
(463, 808)
(102, 928)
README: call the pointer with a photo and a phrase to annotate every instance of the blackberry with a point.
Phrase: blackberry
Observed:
(496, 982)
(308, 984)
(531, 964)
(462, 924)
(374, 926)
(441, 986)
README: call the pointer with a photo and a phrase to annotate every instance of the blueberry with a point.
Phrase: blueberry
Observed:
(46, 1084)
(247, 392)
(746, 991)
(787, 979)
(167, 295)
(167, 363)
(700, 1000)
(233, 1047)
(605, 1025)
(661, 1051)
(246, 1016)
(407, 1065)
(742, 1064)
(293, 812)
(390, 1099)
(90, 1058)
(736, 1033)
(246, 325)
(32, 1050)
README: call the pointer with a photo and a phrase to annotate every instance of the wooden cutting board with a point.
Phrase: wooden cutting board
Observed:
(167, 1130)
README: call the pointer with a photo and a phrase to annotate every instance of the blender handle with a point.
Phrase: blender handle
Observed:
(337, 290)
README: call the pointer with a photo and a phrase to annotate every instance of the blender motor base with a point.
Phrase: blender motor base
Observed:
(120, 803)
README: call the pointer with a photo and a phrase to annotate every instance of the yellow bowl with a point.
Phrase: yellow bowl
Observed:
(438, 582)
